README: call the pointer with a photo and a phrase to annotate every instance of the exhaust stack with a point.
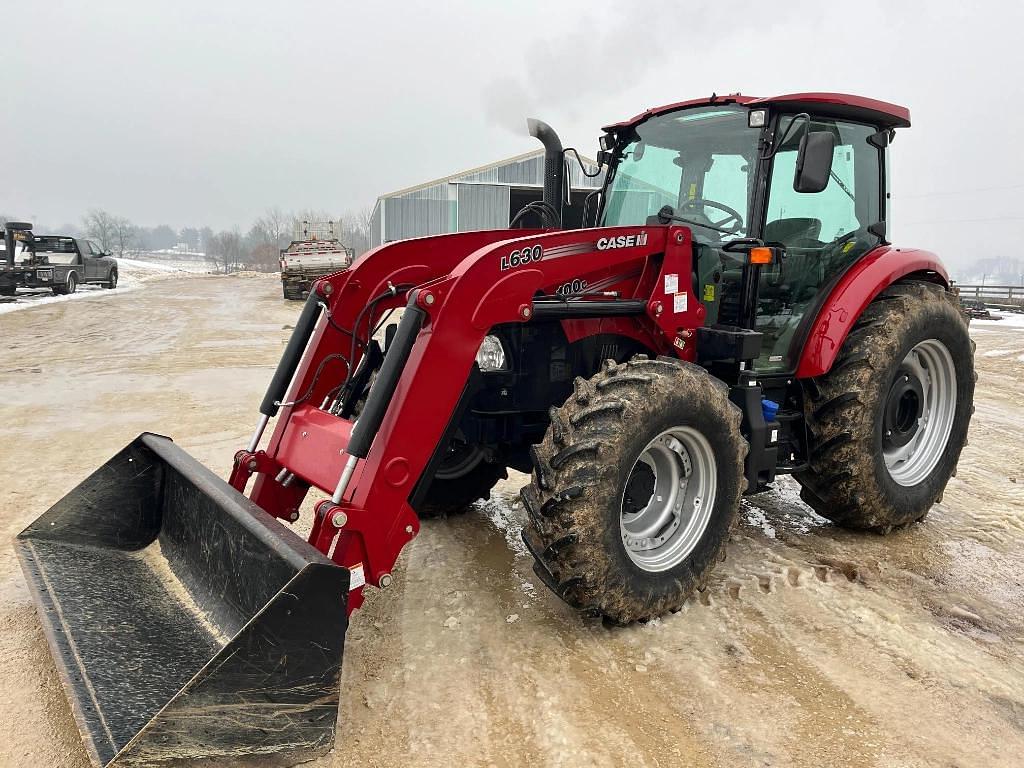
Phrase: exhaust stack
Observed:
(554, 164)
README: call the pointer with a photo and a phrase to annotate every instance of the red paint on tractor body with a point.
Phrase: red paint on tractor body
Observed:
(881, 113)
(466, 284)
(858, 286)
(472, 288)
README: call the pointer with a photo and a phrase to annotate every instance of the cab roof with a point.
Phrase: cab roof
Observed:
(841, 105)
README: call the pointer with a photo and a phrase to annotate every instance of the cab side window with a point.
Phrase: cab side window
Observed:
(822, 232)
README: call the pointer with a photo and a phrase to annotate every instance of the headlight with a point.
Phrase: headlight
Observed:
(491, 356)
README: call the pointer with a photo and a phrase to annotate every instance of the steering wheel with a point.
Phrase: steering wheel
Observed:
(733, 217)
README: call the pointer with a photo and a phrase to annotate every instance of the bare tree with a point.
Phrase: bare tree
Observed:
(354, 230)
(101, 227)
(125, 241)
(224, 249)
(268, 234)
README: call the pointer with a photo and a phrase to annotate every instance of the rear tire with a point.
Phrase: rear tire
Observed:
(610, 536)
(887, 423)
(69, 287)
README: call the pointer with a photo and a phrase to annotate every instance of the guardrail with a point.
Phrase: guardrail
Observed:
(994, 294)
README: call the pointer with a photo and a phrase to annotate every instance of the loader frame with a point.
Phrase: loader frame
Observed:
(464, 286)
(455, 289)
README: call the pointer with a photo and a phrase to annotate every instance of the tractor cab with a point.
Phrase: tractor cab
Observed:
(804, 175)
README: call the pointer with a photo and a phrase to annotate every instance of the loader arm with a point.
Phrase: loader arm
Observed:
(457, 299)
(340, 300)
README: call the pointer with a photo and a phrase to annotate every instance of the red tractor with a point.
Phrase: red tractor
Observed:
(731, 311)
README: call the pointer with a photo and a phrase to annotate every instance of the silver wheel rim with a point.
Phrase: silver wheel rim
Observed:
(665, 531)
(910, 464)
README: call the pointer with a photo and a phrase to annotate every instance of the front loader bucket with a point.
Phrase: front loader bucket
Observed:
(188, 626)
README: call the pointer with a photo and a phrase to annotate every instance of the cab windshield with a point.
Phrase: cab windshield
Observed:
(700, 162)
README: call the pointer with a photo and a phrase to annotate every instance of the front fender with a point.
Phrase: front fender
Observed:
(857, 288)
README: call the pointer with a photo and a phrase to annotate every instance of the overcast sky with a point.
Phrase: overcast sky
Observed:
(192, 113)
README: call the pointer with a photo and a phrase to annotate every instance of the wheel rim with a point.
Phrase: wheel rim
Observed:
(919, 411)
(669, 496)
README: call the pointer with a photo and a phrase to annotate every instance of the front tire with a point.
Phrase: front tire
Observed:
(464, 476)
(635, 487)
(887, 423)
(111, 282)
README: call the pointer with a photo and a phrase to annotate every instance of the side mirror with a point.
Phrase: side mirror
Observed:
(814, 161)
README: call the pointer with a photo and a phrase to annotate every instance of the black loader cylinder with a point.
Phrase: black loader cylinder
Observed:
(292, 356)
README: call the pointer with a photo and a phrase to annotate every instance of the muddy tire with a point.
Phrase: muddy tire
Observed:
(617, 522)
(886, 425)
(111, 281)
(464, 477)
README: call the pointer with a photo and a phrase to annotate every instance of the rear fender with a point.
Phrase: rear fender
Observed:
(857, 288)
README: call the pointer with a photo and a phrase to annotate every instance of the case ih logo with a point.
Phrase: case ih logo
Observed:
(622, 241)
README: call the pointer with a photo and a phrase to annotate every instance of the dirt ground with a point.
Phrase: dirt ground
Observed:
(813, 647)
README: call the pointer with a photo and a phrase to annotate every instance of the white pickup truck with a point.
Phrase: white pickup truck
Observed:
(309, 258)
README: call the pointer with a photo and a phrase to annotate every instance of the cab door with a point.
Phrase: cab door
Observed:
(822, 234)
(90, 259)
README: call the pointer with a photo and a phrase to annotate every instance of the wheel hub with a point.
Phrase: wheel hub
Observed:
(667, 501)
(903, 408)
(918, 415)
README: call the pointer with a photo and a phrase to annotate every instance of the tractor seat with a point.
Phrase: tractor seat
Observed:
(795, 231)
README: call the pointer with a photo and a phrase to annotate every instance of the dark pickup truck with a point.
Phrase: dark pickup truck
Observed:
(51, 261)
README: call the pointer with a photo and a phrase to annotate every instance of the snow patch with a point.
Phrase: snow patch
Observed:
(997, 353)
(757, 518)
(131, 275)
(1002, 320)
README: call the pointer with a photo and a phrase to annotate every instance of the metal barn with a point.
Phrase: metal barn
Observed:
(482, 198)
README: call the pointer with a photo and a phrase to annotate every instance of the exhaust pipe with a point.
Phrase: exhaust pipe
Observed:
(554, 164)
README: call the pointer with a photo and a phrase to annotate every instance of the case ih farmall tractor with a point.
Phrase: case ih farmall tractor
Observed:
(734, 311)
